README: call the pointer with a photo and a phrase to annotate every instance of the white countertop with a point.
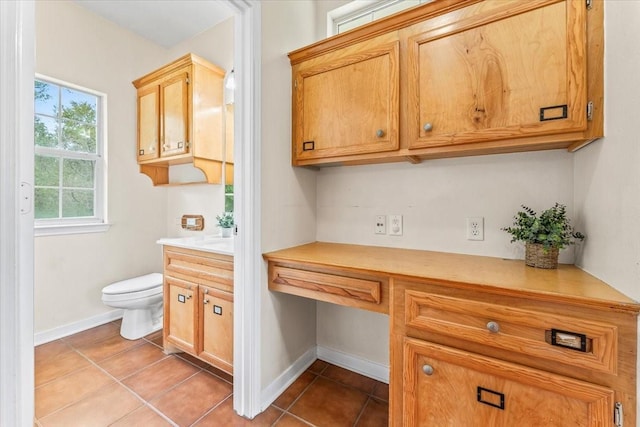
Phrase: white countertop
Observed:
(207, 243)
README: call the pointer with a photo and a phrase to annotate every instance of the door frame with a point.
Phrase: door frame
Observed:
(17, 66)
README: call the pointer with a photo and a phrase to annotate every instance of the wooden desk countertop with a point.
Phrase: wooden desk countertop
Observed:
(567, 283)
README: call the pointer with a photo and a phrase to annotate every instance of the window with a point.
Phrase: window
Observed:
(361, 12)
(228, 198)
(69, 175)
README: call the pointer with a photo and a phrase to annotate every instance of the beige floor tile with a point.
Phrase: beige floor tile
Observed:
(375, 414)
(329, 404)
(160, 377)
(350, 378)
(101, 408)
(132, 360)
(69, 389)
(294, 390)
(100, 350)
(142, 417)
(224, 415)
(91, 335)
(63, 364)
(193, 398)
(50, 350)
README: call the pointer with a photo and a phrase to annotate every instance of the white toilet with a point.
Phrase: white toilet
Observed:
(141, 299)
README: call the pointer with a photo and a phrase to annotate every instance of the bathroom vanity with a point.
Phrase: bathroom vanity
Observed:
(480, 341)
(198, 299)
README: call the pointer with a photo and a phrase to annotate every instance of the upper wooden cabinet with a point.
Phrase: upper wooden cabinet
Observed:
(475, 77)
(180, 119)
(346, 102)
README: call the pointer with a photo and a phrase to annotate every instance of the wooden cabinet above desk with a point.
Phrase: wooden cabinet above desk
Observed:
(561, 338)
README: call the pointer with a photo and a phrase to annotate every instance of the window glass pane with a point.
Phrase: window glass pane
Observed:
(46, 203)
(47, 171)
(79, 106)
(46, 98)
(228, 203)
(346, 26)
(78, 137)
(45, 131)
(394, 7)
(77, 203)
(78, 173)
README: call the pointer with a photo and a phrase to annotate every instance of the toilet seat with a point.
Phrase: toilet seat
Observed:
(137, 284)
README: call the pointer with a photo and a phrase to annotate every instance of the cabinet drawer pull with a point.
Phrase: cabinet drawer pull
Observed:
(379, 133)
(427, 127)
(189, 296)
(427, 369)
(493, 327)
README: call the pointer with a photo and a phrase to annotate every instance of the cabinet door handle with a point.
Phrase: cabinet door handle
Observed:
(493, 327)
(427, 127)
(189, 296)
(205, 301)
(379, 133)
(427, 369)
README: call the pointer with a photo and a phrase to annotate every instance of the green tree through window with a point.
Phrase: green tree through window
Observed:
(67, 152)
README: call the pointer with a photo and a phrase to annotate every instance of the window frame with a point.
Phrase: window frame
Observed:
(99, 221)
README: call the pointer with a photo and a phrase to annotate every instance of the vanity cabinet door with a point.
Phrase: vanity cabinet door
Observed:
(216, 333)
(501, 70)
(449, 387)
(180, 313)
(347, 102)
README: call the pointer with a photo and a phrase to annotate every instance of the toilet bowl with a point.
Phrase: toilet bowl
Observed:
(141, 300)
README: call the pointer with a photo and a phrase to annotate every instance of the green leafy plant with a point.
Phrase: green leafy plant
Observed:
(225, 220)
(551, 228)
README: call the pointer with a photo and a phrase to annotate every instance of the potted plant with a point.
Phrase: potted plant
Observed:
(544, 235)
(226, 223)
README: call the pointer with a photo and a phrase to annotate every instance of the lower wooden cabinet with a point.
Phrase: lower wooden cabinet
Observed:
(198, 311)
(448, 387)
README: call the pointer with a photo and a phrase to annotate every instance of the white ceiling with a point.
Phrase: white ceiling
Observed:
(165, 22)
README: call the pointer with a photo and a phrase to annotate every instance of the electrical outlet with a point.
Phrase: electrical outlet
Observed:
(381, 224)
(475, 228)
(395, 225)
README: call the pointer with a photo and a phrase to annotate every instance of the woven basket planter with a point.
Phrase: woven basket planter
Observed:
(539, 257)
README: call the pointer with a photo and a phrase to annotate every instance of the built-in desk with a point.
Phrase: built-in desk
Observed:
(558, 345)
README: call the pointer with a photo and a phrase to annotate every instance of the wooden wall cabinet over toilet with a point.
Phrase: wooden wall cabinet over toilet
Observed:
(452, 78)
(181, 119)
(198, 305)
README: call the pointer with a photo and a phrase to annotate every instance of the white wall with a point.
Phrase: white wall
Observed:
(76, 46)
(607, 174)
(216, 46)
(288, 194)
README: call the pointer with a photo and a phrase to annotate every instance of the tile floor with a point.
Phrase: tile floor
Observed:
(97, 378)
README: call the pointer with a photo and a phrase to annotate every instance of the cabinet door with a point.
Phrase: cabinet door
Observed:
(180, 313)
(497, 70)
(216, 340)
(346, 102)
(174, 115)
(148, 122)
(448, 387)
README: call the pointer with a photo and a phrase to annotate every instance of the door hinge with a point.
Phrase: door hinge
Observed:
(618, 415)
(590, 110)
(589, 4)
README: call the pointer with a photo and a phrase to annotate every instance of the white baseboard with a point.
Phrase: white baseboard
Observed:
(370, 369)
(280, 384)
(75, 327)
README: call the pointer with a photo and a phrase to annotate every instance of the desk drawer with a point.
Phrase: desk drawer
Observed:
(327, 286)
(555, 337)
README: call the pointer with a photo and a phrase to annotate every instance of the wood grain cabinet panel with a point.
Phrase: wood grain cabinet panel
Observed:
(475, 77)
(449, 387)
(347, 102)
(198, 305)
(181, 119)
(516, 330)
(518, 70)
